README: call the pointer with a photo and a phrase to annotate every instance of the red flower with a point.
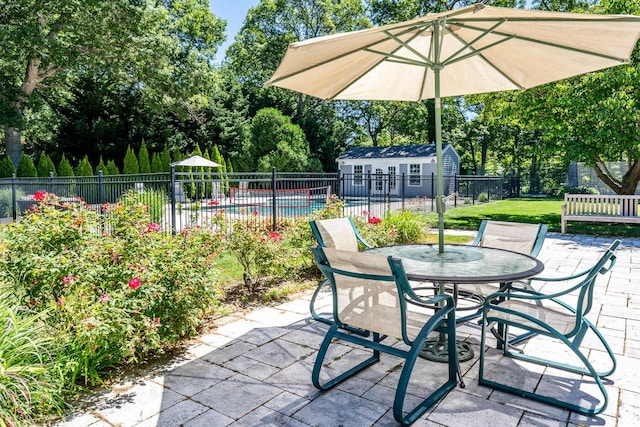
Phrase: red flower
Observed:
(275, 236)
(135, 283)
(213, 203)
(374, 220)
(152, 227)
(40, 196)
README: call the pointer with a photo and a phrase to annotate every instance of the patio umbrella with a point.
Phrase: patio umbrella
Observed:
(475, 49)
(196, 161)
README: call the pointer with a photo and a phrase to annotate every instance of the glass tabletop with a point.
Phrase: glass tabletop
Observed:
(462, 263)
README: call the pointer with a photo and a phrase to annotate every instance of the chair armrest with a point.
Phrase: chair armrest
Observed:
(433, 302)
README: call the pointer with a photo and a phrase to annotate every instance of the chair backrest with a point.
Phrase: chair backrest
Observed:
(513, 236)
(605, 263)
(338, 233)
(366, 290)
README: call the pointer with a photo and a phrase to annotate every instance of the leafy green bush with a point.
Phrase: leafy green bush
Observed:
(155, 200)
(116, 295)
(399, 227)
(258, 251)
(29, 386)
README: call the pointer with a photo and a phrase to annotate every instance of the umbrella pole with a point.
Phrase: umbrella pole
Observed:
(440, 186)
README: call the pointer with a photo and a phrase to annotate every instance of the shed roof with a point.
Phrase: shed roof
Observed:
(416, 150)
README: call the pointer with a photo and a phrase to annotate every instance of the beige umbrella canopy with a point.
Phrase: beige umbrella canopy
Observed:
(196, 161)
(476, 49)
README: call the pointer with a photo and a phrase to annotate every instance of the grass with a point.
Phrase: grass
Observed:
(532, 210)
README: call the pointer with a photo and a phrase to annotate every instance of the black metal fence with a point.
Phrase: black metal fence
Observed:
(183, 199)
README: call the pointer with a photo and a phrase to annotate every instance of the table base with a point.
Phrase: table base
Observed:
(435, 349)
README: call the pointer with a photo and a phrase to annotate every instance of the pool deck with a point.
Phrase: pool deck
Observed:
(254, 369)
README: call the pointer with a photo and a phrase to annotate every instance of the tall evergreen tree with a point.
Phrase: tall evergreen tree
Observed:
(101, 166)
(112, 168)
(156, 163)
(130, 162)
(84, 167)
(26, 167)
(45, 165)
(64, 167)
(144, 165)
(165, 156)
(6, 168)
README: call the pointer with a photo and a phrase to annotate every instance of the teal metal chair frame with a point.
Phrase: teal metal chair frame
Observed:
(508, 309)
(443, 320)
(318, 236)
(535, 250)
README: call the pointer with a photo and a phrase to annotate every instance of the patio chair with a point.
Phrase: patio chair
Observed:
(512, 236)
(372, 293)
(557, 319)
(338, 233)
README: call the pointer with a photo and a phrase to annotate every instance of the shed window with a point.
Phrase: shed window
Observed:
(414, 174)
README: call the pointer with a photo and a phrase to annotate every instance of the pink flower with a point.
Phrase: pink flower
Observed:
(255, 213)
(60, 302)
(135, 283)
(275, 236)
(40, 196)
(69, 279)
(365, 213)
(374, 220)
(152, 227)
(104, 298)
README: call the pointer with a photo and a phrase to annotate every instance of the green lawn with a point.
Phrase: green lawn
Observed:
(531, 210)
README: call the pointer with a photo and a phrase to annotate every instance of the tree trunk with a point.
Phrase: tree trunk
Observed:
(13, 143)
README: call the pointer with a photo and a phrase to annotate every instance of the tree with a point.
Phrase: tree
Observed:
(101, 166)
(276, 142)
(112, 168)
(130, 163)
(6, 168)
(156, 163)
(165, 157)
(48, 46)
(64, 167)
(26, 168)
(40, 40)
(143, 158)
(84, 167)
(45, 165)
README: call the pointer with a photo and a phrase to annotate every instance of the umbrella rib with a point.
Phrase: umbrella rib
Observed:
(546, 43)
(468, 45)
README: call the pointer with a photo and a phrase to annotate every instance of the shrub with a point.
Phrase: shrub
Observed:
(6, 168)
(45, 165)
(64, 167)
(154, 200)
(6, 198)
(117, 295)
(258, 251)
(400, 227)
(26, 168)
(483, 197)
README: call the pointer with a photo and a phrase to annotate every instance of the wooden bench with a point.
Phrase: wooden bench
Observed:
(599, 208)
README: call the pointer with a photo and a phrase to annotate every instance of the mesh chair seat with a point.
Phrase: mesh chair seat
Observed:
(561, 321)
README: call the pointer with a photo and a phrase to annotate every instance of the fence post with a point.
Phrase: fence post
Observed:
(369, 192)
(456, 186)
(14, 205)
(173, 199)
(51, 182)
(433, 190)
(274, 200)
(402, 189)
(101, 187)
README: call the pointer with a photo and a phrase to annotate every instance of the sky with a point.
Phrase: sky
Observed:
(234, 12)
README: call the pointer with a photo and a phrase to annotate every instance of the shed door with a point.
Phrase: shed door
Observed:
(379, 182)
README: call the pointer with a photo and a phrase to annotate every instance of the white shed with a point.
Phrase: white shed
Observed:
(398, 170)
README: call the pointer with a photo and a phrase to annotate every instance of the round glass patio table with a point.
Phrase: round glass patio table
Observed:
(460, 264)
